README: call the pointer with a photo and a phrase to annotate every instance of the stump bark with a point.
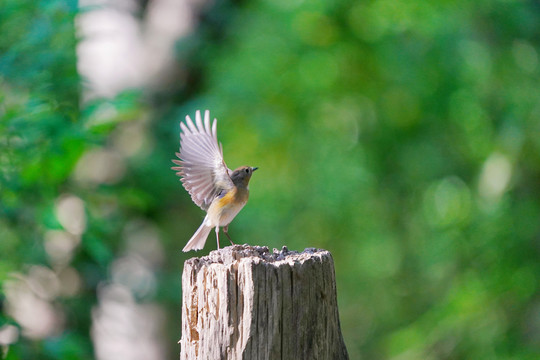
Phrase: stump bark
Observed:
(243, 302)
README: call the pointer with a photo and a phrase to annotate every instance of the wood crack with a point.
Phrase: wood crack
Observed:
(245, 302)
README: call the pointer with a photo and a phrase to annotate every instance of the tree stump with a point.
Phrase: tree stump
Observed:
(243, 302)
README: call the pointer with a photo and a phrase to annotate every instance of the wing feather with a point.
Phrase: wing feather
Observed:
(201, 166)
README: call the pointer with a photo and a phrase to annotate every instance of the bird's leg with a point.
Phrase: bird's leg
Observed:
(226, 231)
(217, 236)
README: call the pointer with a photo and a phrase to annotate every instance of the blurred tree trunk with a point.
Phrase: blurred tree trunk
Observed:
(244, 302)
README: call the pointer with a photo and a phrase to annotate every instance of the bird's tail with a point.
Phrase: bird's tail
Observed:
(198, 239)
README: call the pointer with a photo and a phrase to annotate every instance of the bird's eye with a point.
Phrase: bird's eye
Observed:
(247, 170)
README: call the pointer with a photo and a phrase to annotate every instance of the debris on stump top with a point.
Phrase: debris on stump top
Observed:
(233, 253)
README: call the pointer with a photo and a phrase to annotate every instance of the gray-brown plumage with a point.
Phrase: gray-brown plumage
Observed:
(218, 190)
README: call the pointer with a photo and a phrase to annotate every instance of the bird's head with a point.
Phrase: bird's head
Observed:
(241, 176)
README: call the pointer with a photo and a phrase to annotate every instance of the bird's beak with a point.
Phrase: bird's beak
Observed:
(254, 168)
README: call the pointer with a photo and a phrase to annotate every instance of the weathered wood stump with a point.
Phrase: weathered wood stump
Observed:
(243, 302)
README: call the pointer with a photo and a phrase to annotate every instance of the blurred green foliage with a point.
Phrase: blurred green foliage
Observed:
(403, 136)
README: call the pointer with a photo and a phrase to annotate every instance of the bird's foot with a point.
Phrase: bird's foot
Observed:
(226, 231)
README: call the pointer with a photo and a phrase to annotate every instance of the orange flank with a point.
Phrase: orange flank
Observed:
(235, 195)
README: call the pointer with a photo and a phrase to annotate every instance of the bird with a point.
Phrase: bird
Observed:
(215, 188)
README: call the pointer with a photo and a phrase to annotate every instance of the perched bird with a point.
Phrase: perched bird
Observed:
(215, 188)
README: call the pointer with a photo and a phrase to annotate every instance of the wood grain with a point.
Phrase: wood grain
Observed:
(244, 302)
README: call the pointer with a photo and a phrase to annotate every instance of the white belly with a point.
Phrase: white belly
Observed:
(224, 215)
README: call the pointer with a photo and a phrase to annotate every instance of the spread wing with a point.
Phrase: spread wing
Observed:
(201, 167)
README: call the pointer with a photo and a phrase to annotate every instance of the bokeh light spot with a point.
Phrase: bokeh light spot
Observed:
(38, 318)
(60, 245)
(525, 55)
(315, 28)
(71, 214)
(495, 177)
(447, 202)
(100, 166)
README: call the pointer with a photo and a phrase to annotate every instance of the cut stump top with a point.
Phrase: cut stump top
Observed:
(230, 254)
